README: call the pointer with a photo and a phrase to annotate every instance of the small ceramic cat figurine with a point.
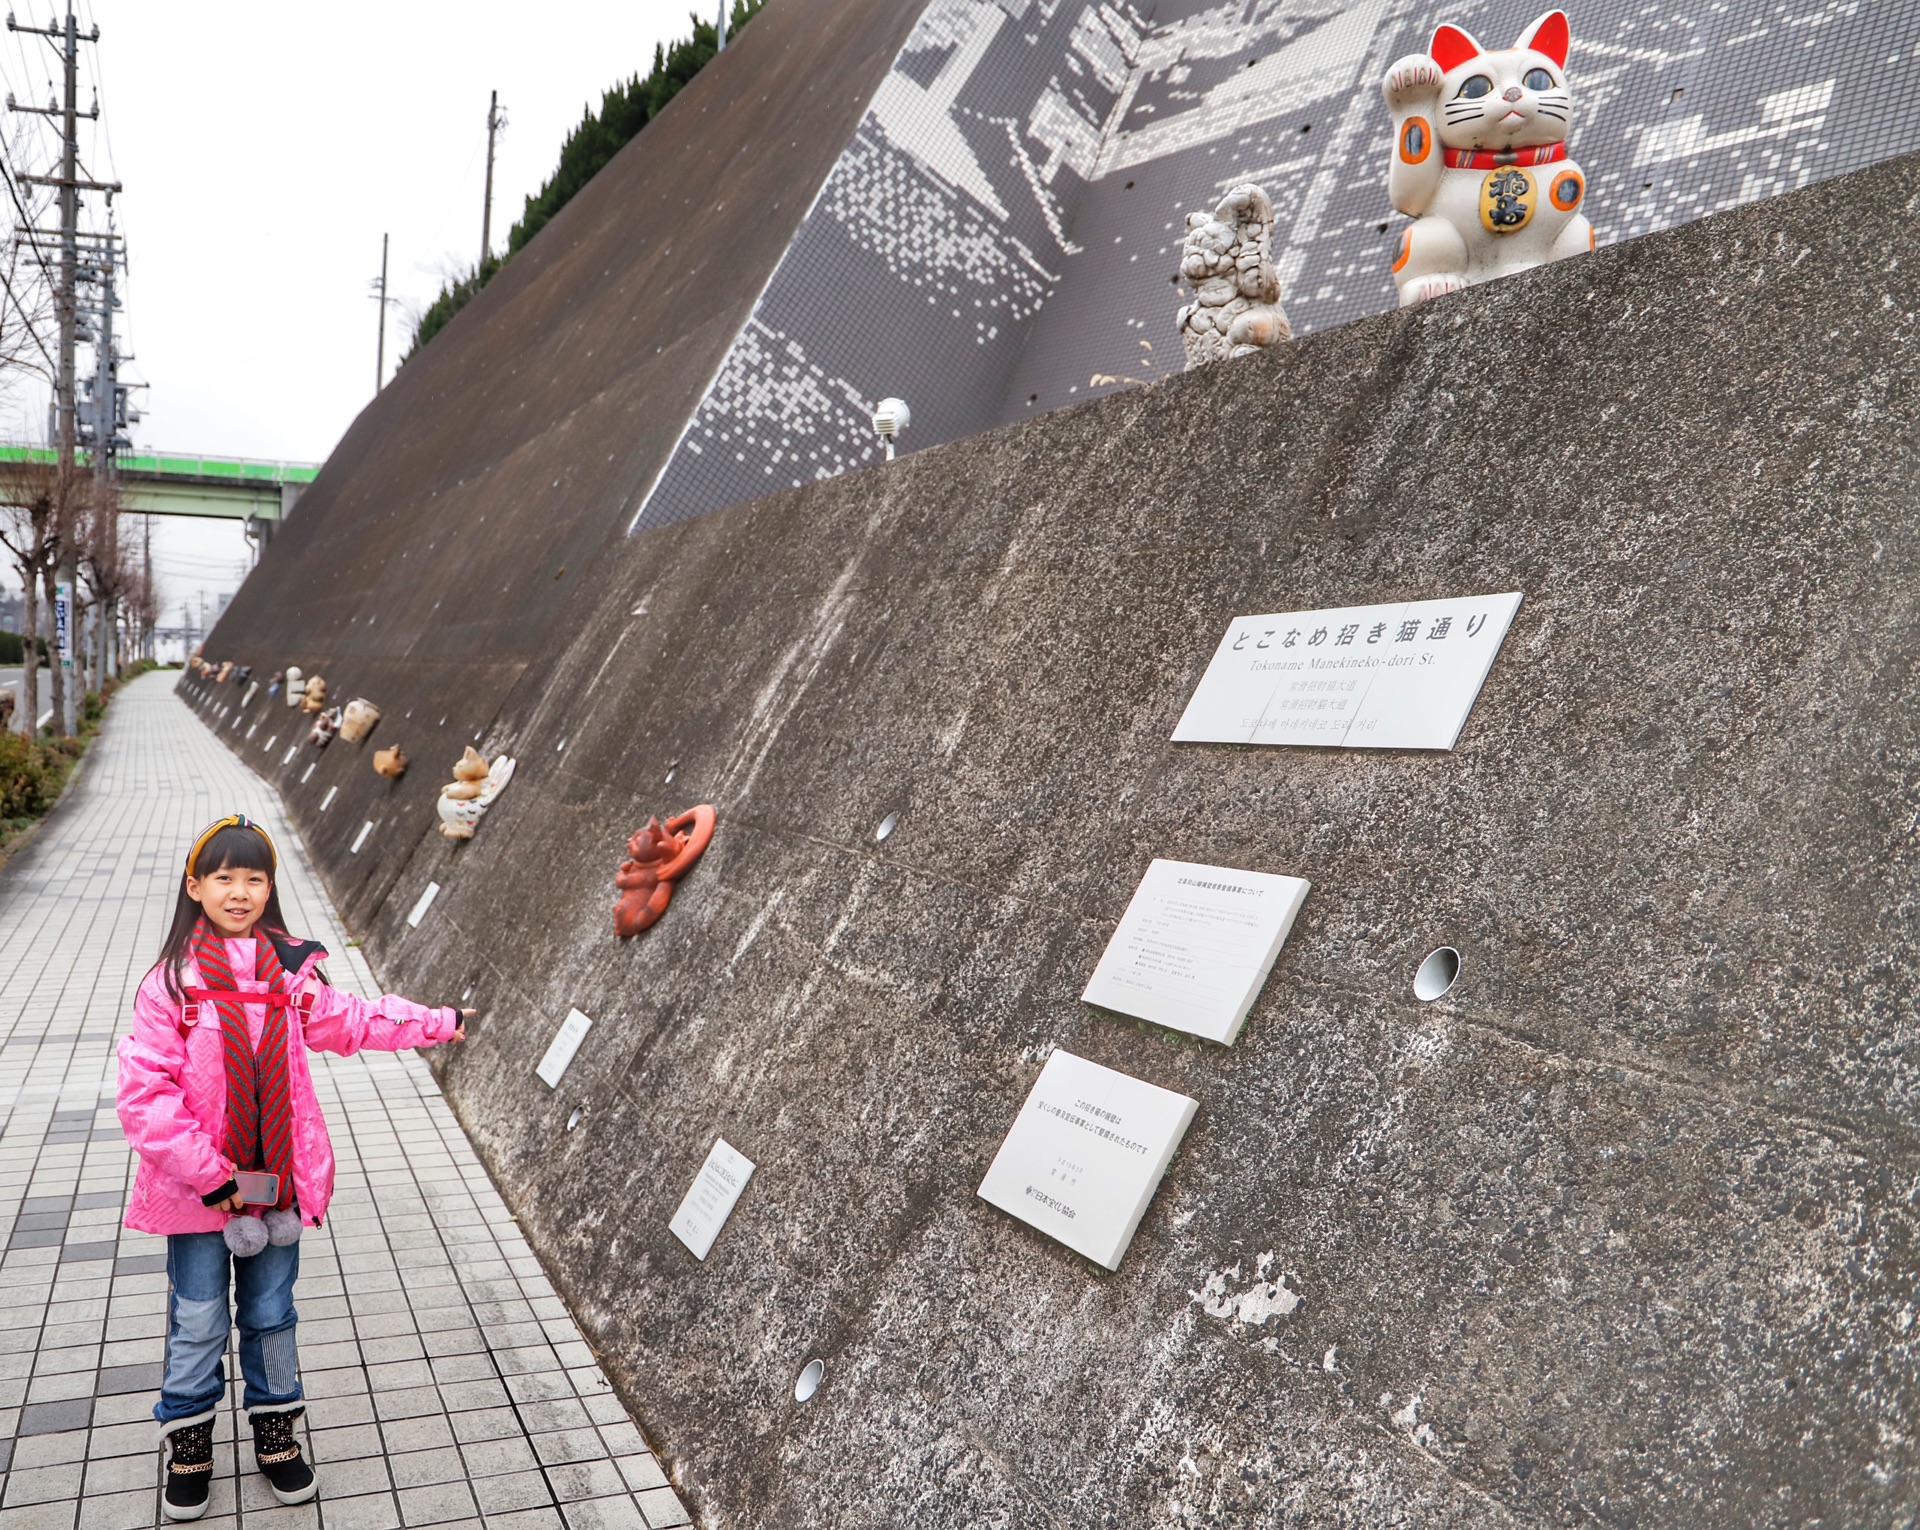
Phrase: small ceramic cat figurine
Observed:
(1480, 160)
(1228, 257)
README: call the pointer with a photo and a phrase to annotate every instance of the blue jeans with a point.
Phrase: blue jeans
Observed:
(195, 1377)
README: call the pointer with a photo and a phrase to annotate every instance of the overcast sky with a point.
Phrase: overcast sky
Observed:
(264, 150)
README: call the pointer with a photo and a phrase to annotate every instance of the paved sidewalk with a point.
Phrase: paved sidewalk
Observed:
(446, 1383)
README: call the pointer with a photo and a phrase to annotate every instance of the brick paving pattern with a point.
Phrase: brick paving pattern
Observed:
(446, 1383)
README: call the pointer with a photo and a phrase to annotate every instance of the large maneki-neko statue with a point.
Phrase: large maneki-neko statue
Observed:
(1480, 160)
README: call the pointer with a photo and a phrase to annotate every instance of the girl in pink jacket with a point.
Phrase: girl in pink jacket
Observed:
(217, 1102)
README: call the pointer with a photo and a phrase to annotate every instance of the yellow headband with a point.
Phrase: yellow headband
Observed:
(231, 821)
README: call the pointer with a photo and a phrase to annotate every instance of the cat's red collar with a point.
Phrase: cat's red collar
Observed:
(1498, 159)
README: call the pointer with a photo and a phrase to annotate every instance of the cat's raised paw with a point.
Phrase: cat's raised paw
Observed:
(1411, 80)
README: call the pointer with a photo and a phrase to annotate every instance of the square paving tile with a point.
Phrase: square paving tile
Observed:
(55, 1417)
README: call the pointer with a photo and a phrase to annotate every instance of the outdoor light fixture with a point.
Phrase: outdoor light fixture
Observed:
(890, 419)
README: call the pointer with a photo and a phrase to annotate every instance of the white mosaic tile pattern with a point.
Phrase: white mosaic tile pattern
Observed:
(1001, 234)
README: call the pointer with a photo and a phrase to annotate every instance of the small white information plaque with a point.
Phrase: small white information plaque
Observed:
(361, 838)
(1194, 946)
(716, 1189)
(566, 1041)
(1086, 1154)
(422, 904)
(1399, 676)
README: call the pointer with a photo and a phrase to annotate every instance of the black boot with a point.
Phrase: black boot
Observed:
(277, 1454)
(189, 1470)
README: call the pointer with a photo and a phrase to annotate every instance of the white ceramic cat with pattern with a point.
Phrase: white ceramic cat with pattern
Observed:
(1480, 160)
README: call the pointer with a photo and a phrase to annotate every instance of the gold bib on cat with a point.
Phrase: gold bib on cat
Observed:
(1507, 198)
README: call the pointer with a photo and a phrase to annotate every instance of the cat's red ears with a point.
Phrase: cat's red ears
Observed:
(1451, 46)
(1549, 35)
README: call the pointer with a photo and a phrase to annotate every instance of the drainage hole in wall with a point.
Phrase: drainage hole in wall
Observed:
(887, 826)
(811, 1375)
(1437, 974)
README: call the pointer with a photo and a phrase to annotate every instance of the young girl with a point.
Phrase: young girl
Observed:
(234, 1158)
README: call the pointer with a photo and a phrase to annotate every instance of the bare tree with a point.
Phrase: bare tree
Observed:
(44, 512)
(33, 506)
(103, 561)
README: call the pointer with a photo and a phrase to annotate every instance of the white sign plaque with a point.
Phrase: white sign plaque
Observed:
(716, 1189)
(1086, 1154)
(422, 904)
(1194, 946)
(1399, 676)
(566, 1041)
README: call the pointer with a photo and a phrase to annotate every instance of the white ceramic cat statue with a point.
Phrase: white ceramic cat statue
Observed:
(1228, 259)
(1480, 160)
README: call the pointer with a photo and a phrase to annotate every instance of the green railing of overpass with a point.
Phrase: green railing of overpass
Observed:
(175, 483)
(182, 467)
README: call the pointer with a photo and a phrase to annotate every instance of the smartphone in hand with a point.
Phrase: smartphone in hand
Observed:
(257, 1189)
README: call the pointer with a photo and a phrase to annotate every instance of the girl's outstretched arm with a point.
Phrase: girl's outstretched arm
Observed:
(151, 1098)
(345, 1023)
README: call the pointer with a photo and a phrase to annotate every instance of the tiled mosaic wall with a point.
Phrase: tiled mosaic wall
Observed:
(1002, 233)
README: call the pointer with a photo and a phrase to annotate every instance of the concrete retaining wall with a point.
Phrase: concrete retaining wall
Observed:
(1621, 1231)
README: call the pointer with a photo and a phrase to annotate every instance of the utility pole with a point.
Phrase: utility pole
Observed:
(69, 184)
(720, 28)
(496, 120)
(105, 416)
(380, 294)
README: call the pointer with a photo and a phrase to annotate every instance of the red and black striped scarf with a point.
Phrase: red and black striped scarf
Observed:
(259, 1102)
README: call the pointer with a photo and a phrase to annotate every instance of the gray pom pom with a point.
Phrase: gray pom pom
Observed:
(283, 1226)
(245, 1236)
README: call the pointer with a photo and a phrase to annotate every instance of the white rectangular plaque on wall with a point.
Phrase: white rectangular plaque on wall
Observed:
(1194, 946)
(422, 904)
(716, 1190)
(1400, 676)
(1086, 1154)
(566, 1041)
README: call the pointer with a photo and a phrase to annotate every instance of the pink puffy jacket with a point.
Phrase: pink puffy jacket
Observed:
(173, 1086)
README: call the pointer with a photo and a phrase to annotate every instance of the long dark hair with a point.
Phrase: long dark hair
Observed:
(232, 848)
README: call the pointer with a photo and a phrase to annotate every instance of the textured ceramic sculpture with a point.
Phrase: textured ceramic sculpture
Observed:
(225, 674)
(658, 856)
(296, 687)
(475, 785)
(274, 682)
(391, 763)
(246, 696)
(357, 721)
(325, 725)
(1228, 260)
(242, 674)
(314, 698)
(1480, 160)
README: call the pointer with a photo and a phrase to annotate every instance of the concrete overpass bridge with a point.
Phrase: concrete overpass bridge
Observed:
(224, 488)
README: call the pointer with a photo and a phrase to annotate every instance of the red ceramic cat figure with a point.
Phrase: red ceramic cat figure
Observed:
(658, 856)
